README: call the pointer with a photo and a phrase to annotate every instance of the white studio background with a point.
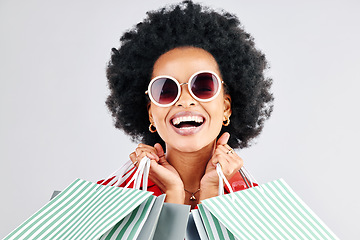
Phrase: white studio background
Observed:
(55, 126)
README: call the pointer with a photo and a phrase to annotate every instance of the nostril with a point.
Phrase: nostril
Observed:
(185, 99)
(185, 104)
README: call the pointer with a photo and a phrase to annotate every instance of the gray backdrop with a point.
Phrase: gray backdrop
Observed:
(55, 126)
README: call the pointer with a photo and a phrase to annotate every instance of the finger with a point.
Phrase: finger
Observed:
(220, 154)
(229, 168)
(223, 139)
(223, 148)
(232, 156)
(136, 159)
(227, 159)
(145, 148)
(143, 154)
(153, 156)
(230, 164)
(160, 153)
(227, 149)
(133, 158)
(159, 150)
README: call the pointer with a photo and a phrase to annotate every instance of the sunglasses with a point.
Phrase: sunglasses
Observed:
(203, 86)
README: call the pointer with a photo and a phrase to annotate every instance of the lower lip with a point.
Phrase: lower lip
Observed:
(187, 131)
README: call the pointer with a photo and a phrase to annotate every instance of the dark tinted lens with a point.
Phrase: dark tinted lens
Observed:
(164, 90)
(204, 85)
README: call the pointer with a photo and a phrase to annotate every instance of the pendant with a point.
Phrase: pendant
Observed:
(192, 198)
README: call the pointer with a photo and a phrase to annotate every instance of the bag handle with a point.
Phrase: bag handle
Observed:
(222, 179)
(142, 172)
(248, 178)
(125, 171)
(120, 175)
(244, 174)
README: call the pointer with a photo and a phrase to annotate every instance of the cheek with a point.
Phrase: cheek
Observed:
(159, 115)
(216, 111)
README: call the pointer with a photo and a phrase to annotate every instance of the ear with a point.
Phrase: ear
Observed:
(227, 106)
(150, 113)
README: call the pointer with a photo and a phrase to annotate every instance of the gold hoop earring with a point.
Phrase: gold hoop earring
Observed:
(152, 128)
(226, 122)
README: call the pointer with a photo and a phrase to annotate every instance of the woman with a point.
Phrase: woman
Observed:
(176, 81)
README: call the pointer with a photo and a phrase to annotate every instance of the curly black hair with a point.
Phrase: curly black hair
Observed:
(188, 24)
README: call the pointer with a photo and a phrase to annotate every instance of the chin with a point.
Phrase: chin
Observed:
(191, 146)
(189, 149)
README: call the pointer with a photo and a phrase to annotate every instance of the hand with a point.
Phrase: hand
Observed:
(162, 173)
(230, 163)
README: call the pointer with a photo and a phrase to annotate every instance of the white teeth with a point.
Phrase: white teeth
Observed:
(187, 127)
(178, 120)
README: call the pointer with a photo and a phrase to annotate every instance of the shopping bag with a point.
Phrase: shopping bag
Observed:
(214, 228)
(139, 224)
(148, 230)
(195, 228)
(207, 226)
(86, 210)
(269, 211)
(172, 222)
(165, 220)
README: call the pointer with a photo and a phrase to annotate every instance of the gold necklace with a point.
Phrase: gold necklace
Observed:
(192, 198)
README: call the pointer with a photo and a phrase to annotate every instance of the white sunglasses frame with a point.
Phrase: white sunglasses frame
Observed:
(148, 92)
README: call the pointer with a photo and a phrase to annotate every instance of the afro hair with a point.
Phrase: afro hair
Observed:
(241, 65)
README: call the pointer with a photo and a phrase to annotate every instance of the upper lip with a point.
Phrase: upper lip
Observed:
(187, 116)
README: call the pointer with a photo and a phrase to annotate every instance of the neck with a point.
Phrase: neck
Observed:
(190, 165)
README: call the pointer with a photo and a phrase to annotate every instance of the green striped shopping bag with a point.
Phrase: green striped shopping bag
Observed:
(269, 211)
(86, 210)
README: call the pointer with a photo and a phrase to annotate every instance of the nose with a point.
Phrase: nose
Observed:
(185, 99)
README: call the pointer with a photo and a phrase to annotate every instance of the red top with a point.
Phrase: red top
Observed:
(236, 182)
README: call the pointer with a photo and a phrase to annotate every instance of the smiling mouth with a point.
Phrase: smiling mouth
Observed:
(187, 122)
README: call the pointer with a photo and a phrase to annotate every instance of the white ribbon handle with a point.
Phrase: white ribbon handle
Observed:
(146, 174)
(120, 175)
(142, 172)
(124, 172)
(221, 182)
(222, 179)
(244, 174)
